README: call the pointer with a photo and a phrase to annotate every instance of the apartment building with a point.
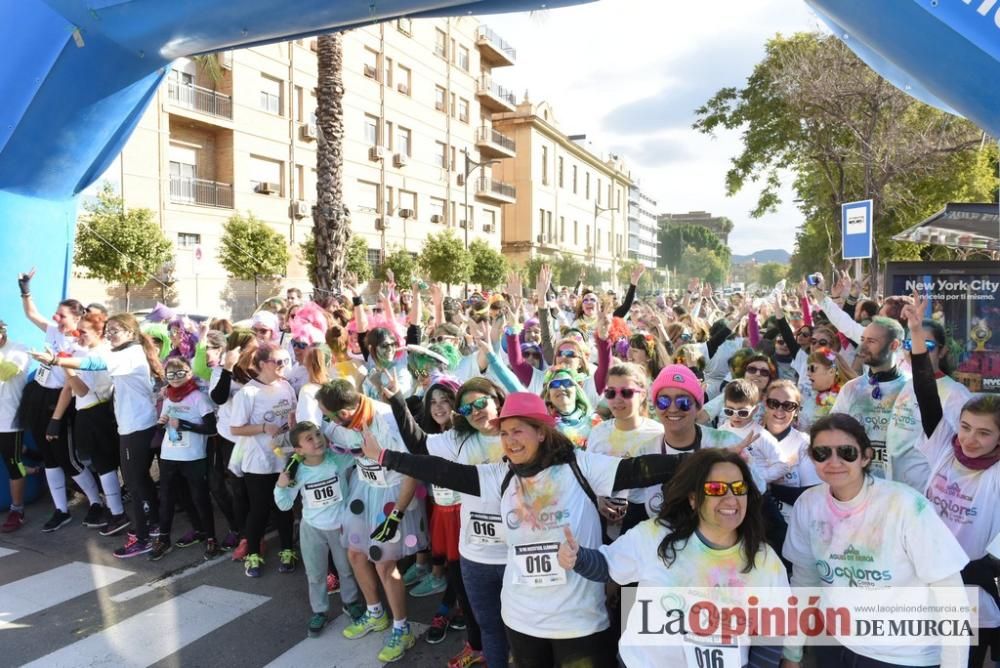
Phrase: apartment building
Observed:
(643, 240)
(720, 226)
(418, 98)
(570, 199)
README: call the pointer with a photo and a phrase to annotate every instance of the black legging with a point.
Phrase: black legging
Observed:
(37, 406)
(598, 650)
(95, 434)
(136, 458)
(228, 490)
(10, 448)
(260, 490)
(195, 474)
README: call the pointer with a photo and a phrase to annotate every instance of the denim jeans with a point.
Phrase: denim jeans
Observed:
(483, 583)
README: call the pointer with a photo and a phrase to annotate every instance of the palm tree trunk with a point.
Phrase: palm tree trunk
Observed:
(331, 220)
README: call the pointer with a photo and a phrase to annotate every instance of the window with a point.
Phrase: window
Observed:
(388, 71)
(440, 43)
(408, 200)
(270, 95)
(576, 230)
(403, 141)
(265, 170)
(300, 181)
(371, 130)
(586, 189)
(388, 200)
(440, 98)
(611, 199)
(489, 220)
(463, 58)
(454, 155)
(545, 165)
(188, 240)
(610, 246)
(463, 110)
(404, 26)
(466, 218)
(441, 157)
(404, 80)
(370, 67)
(588, 236)
(454, 51)
(437, 208)
(375, 258)
(600, 200)
(562, 229)
(368, 198)
(548, 223)
(300, 98)
(453, 106)
(574, 179)
(541, 223)
(559, 172)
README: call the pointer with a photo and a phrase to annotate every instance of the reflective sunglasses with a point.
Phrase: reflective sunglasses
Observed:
(626, 392)
(930, 343)
(569, 354)
(719, 488)
(847, 453)
(787, 406)
(682, 403)
(561, 384)
(477, 405)
(757, 371)
(738, 412)
(175, 375)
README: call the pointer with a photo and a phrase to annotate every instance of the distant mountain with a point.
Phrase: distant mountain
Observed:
(778, 255)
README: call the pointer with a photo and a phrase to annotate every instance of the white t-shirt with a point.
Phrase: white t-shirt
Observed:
(98, 383)
(634, 558)
(710, 438)
(887, 536)
(225, 410)
(63, 346)
(762, 455)
(793, 450)
(855, 399)
(135, 405)
(535, 510)
(257, 403)
(483, 534)
(966, 501)
(607, 439)
(14, 364)
(308, 409)
(385, 431)
(906, 463)
(189, 446)
(298, 377)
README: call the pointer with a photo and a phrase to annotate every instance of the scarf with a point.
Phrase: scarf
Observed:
(177, 394)
(974, 463)
(364, 415)
(575, 426)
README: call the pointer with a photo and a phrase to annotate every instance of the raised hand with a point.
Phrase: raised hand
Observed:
(740, 447)
(603, 321)
(231, 357)
(568, 550)
(24, 282)
(637, 271)
(391, 386)
(369, 445)
(542, 283)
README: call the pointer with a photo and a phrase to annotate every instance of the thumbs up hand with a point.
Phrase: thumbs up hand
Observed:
(568, 550)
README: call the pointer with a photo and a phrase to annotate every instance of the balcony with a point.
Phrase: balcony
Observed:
(200, 99)
(493, 50)
(201, 192)
(494, 97)
(492, 144)
(495, 191)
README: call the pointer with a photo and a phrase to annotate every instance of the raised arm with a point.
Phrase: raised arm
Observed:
(24, 284)
(924, 383)
(435, 470)
(414, 438)
(637, 273)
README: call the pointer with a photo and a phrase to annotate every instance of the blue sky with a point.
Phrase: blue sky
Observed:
(629, 74)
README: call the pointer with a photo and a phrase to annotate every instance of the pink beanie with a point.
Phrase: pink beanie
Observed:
(679, 377)
(526, 405)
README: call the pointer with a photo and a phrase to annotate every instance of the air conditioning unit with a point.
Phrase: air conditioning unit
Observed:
(487, 228)
(301, 208)
(308, 131)
(403, 88)
(400, 160)
(436, 218)
(376, 153)
(440, 106)
(371, 72)
(540, 238)
(405, 213)
(266, 188)
(314, 45)
(383, 223)
(460, 179)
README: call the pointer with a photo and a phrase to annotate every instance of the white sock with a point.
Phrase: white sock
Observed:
(112, 492)
(85, 479)
(57, 488)
(399, 623)
(375, 610)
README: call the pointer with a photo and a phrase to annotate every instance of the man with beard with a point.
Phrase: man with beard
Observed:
(870, 398)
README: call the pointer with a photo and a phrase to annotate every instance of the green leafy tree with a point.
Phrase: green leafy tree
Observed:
(402, 264)
(674, 239)
(119, 246)
(705, 264)
(489, 267)
(356, 259)
(250, 249)
(566, 269)
(646, 283)
(769, 273)
(593, 276)
(530, 268)
(445, 259)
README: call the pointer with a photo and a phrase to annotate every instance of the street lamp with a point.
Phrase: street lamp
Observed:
(598, 210)
(470, 166)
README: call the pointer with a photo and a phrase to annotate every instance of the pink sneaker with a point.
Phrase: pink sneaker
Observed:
(15, 520)
(467, 657)
(240, 553)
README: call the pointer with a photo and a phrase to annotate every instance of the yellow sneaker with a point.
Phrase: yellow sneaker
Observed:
(366, 624)
(399, 641)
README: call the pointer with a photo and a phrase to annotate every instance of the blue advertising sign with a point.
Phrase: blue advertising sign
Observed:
(856, 229)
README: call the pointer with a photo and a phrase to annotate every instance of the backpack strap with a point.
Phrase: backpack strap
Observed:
(506, 481)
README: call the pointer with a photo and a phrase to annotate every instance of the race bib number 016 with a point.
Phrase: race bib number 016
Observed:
(711, 653)
(373, 475)
(323, 494)
(537, 565)
(485, 529)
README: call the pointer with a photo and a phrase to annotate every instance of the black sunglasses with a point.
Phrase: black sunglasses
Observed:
(626, 392)
(847, 453)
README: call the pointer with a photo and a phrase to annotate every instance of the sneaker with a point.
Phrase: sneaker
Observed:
(116, 523)
(58, 520)
(365, 624)
(438, 630)
(414, 574)
(252, 564)
(240, 553)
(316, 624)
(190, 538)
(355, 610)
(467, 657)
(457, 622)
(15, 520)
(96, 517)
(287, 559)
(133, 547)
(211, 549)
(429, 586)
(332, 583)
(230, 542)
(399, 641)
(160, 549)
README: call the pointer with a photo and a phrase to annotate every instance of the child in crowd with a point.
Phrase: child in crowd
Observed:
(740, 416)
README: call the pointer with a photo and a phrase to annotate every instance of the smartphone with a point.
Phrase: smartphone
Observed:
(812, 279)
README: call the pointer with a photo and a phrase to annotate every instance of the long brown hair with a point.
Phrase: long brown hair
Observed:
(128, 322)
(483, 386)
(244, 339)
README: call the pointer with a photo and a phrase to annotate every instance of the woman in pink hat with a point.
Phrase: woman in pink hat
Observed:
(544, 486)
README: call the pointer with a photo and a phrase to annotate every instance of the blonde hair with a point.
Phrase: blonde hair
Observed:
(631, 371)
(316, 362)
(792, 388)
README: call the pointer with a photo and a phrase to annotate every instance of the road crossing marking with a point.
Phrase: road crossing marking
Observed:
(136, 592)
(156, 633)
(4, 552)
(333, 650)
(50, 588)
